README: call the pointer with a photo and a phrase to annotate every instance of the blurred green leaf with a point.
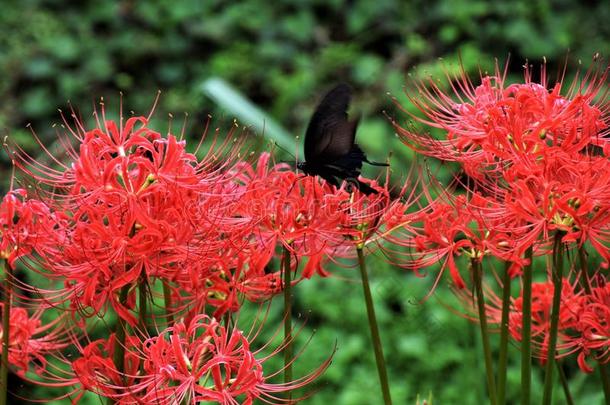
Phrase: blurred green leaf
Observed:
(248, 113)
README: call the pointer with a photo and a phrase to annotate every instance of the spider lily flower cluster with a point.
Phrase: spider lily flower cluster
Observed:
(583, 321)
(129, 221)
(192, 361)
(535, 155)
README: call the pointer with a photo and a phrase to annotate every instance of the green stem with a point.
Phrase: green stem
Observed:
(605, 377)
(142, 288)
(478, 285)
(564, 383)
(6, 312)
(557, 276)
(370, 310)
(503, 359)
(142, 308)
(226, 320)
(526, 330)
(288, 349)
(167, 298)
(120, 334)
(477, 367)
(120, 331)
(584, 277)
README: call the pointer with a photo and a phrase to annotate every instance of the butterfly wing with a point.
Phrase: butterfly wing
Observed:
(330, 135)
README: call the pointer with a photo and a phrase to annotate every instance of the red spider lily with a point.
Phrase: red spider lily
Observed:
(464, 225)
(31, 341)
(494, 123)
(440, 238)
(592, 335)
(191, 362)
(355, 221)
(96, 372)
(529, 150)
(368, 221)
(366, 212)
(301, 214)
(131, 208)
(121, 157)
(304, 214)
(26, 225)
(140, 208)
(569, 194)
(274, 207)
(542, 297)
(221, 287)
(527, 146)
(297, 212)
(584, 319)
(573, 305)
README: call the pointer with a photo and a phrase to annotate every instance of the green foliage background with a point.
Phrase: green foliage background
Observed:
(282, 55)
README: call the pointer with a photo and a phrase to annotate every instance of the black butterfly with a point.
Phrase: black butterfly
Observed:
(330, 150)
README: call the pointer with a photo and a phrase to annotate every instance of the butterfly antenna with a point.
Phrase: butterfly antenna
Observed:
(384, 164)
(280, 147)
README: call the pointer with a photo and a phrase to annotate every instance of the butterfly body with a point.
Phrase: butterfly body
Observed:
(330, 148)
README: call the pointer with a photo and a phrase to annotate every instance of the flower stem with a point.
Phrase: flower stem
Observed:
(478, 285)
(288, 349)
(584, 274)
(526, 330)
(557, 276)
(584, 277)
(142, 298)
(6, 311)
(503, 359)
(142, 309)
(605, 377)
(167, 298)
(370, 310)
(120, 334)
(564, 383)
